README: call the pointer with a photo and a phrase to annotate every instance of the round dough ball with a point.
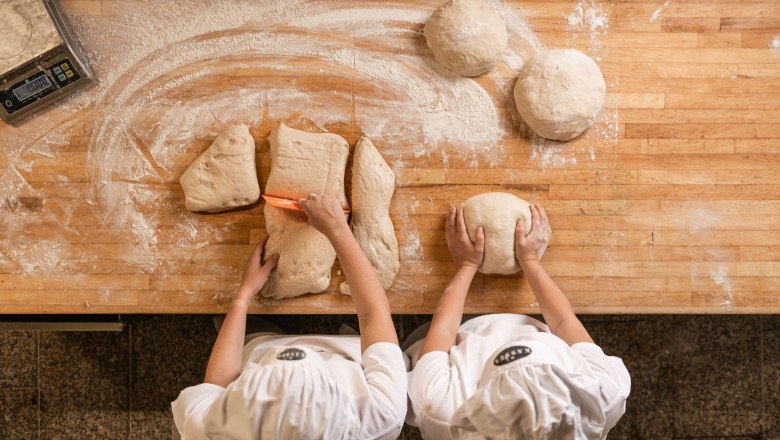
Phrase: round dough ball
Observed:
(497, 213)
(559, 93)
(466, 36)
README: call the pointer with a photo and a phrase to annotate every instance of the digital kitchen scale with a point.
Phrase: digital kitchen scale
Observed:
(38, 59)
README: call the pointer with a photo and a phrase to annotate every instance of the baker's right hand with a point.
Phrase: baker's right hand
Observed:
(531, 247)
(325, 214)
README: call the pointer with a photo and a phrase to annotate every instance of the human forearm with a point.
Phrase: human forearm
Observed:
(368, 295)
(554, 305)
(225, 361)
(449, 312)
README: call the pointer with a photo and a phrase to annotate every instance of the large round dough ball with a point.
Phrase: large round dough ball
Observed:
(559, 93)
(497, 213)
(466, 36)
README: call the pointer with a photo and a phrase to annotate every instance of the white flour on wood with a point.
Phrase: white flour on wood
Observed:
(152, 116)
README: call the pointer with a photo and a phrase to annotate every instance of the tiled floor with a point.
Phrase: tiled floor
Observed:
(693, 376)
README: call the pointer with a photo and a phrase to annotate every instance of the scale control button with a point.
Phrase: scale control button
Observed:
(69, 74)
(65, 66)
(62, 77)
(57, 70)
(8, 103)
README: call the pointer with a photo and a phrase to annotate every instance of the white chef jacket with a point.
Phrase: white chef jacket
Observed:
(376, 378)
(440, 382)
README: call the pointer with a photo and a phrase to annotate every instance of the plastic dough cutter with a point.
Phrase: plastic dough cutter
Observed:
(289, 204)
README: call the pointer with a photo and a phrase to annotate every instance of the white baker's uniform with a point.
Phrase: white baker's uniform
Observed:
(440, 382)
(374, 380)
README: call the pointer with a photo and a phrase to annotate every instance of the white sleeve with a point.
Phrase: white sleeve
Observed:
(613, 376)
(190, 408)
(385, 371)
(432, 395)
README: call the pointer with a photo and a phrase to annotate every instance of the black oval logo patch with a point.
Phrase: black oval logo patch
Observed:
(291, 354)
(511, 354)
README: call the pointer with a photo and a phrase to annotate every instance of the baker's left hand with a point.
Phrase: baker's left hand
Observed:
(464, 252)
(256, 272)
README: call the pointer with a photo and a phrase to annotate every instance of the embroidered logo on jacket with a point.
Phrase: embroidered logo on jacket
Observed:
(291, 354)
(511, 354)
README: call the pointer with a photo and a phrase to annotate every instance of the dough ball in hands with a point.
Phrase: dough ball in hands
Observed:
(497, 213)
(466, 36)
(559, 93)
(224, 176)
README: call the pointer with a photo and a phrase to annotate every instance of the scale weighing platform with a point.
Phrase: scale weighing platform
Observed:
(38, 59)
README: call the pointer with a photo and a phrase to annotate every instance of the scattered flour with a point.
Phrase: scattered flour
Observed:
(659, 10)
(774, 46)
(721, 278)
(517, 28)
(411, 249)
(588, 16)
(549, 153)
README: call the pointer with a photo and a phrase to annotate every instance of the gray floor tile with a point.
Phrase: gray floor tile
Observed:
(771, 375)
(644, 346)
(728, 437)
(692, 376)
(18, 359)
(410, 433)
(410, 323)
(294, 324)
(84, 384)
(717, 378)
(169, 354)
(157, 428)
(18, 413)
(329, 324)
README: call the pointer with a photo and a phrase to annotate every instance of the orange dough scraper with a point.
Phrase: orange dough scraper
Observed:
(290, 204)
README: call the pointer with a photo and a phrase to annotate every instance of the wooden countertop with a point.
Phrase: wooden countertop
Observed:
(669, 205)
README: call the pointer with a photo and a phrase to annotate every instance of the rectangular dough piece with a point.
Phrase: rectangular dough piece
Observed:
(373, 184)
(301, 163)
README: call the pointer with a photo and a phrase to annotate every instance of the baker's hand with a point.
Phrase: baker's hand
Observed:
(531, 247)
(464, 252)
(255, 272)
(325, 214)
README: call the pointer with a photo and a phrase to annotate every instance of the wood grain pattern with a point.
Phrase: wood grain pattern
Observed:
(676, 211)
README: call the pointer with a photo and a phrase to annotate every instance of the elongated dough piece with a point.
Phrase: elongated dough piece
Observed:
(224, 176)
(373, 184)
(301, 163)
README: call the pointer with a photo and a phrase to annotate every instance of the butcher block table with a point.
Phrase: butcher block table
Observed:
(668, 204)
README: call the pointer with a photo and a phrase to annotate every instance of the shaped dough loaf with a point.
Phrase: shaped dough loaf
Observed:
(301, 163)
(224, 176)
(467, 36)
(559, 93)
(373, 184)
(497, 213)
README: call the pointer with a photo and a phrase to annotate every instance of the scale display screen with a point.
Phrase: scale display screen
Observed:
(32, 87)
(39, 86)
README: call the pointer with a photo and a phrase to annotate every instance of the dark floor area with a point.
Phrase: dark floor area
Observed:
(693, 376)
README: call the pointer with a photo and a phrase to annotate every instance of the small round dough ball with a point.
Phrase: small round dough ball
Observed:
(466, 36)
(497, 213)
(559, 93)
